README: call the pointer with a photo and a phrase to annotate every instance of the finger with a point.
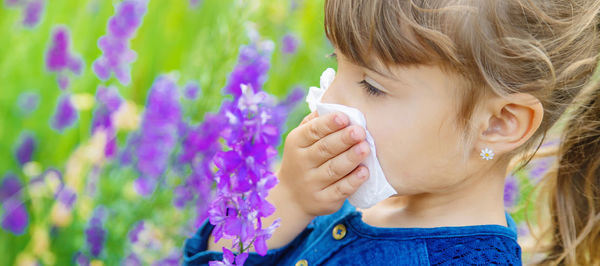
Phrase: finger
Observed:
(309, 117)
(335, 143)
(332, 170)
(344, 187)
(320, 127)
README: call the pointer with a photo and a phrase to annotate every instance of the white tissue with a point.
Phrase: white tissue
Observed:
(376, 188)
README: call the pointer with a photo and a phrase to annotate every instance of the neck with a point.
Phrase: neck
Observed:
(475, 202)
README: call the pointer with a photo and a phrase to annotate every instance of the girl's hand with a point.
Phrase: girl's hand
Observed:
(319, 165)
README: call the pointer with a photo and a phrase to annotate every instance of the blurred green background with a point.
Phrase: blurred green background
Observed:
(197, 43)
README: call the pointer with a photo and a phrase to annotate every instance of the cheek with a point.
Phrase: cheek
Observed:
(417, 150)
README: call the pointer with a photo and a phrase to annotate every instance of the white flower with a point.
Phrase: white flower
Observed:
(487, 154)
(248, 99)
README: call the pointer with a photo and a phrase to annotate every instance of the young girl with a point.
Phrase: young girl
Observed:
(452, 91)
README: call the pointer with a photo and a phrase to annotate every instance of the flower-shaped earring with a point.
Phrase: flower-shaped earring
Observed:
(487, 154)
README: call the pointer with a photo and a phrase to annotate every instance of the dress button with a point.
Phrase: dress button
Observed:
(302, 263)
(339, 231)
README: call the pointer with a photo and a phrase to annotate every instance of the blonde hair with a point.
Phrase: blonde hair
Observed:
(547, 48)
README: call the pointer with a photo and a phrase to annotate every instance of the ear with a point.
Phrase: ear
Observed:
(508, 122)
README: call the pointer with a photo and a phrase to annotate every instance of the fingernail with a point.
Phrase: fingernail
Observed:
(362, 173)
(340, 120)
(354, 135)
(360, 148)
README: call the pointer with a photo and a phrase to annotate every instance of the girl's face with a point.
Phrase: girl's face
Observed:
(411, 120)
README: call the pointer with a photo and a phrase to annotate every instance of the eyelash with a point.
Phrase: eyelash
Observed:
(370, 89)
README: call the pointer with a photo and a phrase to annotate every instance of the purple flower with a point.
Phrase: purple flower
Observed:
(199, 145)
(116, 54)
(65, 114)
(13, 3)
(253, 123)
(33, 12)
(295, 4)
(253, 64)
(59, 58)
(132, 260)
(242, 224)
(172, 259)
(289, 44)
(201, 141)
(81, 259)
(539, 168)
(66, 196)
(195, 3)
(10, 188)
(109, 101)
(95, 232)
(197, 187)
(219, 211)
(511, 191)
(25, 149)
(135, 231)
(15, 218)
(28, 102)
(144, 185)
(229, 259)
(260, 244)
(523, 229)
(191, 90)
(158, 134)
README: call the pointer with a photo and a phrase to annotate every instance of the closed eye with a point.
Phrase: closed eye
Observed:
(370, 89)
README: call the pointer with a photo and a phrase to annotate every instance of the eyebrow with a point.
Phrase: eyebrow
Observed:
(403, 82)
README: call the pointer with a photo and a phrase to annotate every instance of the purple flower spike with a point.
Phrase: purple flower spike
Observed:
(128, 18)
(173, 259)
(289, 44)
(81, 259)
(58, 54)
(28, 102)
(134, 233)
(59, 58)
(95, 232)
(116, 54)
(25, 149)
(539, 168)
(523, 230)
(158, 135)
(10, 188)
(33, 13)
(511, 191)
(195, 3)
(13, 3)
(15, 218)
(66, 196)
(191, 90)
(229, 259)
(251, 130)
(252, 67)
(109, 100)
(65, 114)
(132, 260)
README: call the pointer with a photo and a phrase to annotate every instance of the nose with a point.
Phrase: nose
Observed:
(329, 96)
